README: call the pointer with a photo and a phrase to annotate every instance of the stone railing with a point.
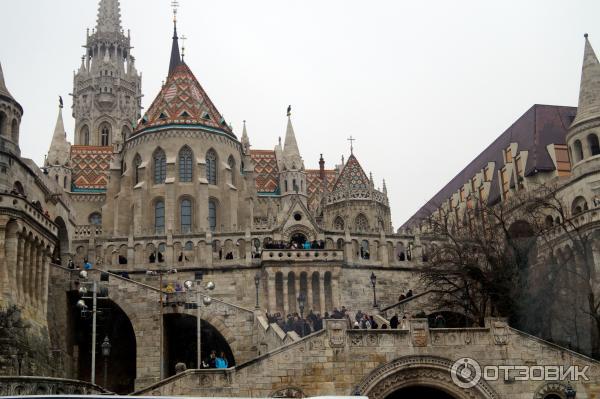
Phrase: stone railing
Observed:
(302, 255)
(9, 146)
(18, 386)
(87, 231)
(20, 204)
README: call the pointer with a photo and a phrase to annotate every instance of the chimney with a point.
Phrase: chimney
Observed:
(321, 167)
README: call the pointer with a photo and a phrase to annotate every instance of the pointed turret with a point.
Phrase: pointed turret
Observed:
(3, 90)
(245, 140)
(589, 91)
(175, 54)
(109, 17)
(60, 148)
(291, 153)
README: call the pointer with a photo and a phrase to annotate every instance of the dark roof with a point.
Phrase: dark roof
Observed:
(533, 131)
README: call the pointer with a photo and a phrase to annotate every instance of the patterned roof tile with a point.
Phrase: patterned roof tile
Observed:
(91, 167)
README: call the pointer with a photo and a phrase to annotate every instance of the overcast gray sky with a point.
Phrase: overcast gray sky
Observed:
(423, 86)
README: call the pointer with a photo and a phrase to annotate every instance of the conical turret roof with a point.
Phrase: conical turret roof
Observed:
(589, 91)
(59, 151)
(182, 101)
(291, 153)
(352, 176)
(4, 91)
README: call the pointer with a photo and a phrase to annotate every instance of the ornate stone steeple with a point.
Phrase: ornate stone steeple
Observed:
(109, 17)
(245, 140)
(60, 148)
(292, 176)
(291, 153)
(107, 87)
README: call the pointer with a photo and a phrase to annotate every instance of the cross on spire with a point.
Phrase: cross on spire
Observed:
(183, 39)
(175, 6)
(351, 140)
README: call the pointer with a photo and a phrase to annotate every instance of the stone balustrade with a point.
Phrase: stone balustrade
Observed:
(87, 231)
(17, 386)
(302, 255)
(16, 203)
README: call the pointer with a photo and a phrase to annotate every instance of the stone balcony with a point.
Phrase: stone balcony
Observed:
(302, 255)
(18, 204)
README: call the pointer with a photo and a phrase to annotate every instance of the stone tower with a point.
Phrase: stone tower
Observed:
(292, 174)
(107, 86)
(10, 120)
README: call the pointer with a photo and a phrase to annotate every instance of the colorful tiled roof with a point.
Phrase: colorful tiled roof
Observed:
(314, 186)
(183, 101)
(266, 172)
(352, 175)
(91, 167)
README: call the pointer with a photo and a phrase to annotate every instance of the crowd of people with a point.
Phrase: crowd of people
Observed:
(215, 362)
(320, 244)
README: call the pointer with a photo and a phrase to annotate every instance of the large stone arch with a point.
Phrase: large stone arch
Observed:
(425, 371)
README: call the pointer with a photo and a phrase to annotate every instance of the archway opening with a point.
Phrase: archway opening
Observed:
(298, 239)
(419, 392)
(112, 322)
(180, 343)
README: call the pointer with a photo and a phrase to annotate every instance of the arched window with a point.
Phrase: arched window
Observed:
(361, 223)
(95, 219)
(339, 244)
(159, 216)
(185, 214)
(338, 223)
(160, 166)
(579, 205)
(104, 135)
(185, 164)
(211, 166)
(126, 132)
(84, 136)
(65, 182)
(231, 164)
(592, 140)
(137, 162)
(15, 131)
(3, 127)
(18, 188)
(212, 214)
(577, 151)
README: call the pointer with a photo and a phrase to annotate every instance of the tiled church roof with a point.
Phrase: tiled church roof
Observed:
(540, 126)
(183, 101)
(266, 171)
(352, 175)
(91, 167)
(314, 186)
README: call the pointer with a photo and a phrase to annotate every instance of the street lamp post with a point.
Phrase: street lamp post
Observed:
(206, 301)
(160, 274)
(301, 305)
(374, 284)
(105, 354)
(256, 284)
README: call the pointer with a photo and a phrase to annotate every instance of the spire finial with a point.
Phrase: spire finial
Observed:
(175, 6)
(585, 35)
(60, 102)
(351, 140)
(289, 111)
(183, 39)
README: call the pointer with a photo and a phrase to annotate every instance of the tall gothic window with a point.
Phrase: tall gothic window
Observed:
(85, 135)
(361, 223)
(212, 214)
(338, 223)
(211, 166)
(137, 162)
(231, 164)
(186, 215)
(160, 166)
(185, 164)
(104, 134)
(159, 216)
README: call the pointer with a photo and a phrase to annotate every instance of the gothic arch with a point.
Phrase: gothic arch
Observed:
(550, 388)
(427, 371)
(84, 135)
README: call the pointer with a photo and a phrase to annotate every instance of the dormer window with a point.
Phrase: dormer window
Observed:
(184, 114)
(162, 116)
(206, 116)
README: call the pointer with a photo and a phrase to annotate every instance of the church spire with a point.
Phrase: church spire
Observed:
(59, 150)
(109, 17)
(175, 54)
(245, 140)
(589, 91)
(291, 153)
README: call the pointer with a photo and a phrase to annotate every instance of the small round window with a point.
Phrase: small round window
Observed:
(297, 216)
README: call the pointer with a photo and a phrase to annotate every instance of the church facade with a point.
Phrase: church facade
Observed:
(150, 201)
